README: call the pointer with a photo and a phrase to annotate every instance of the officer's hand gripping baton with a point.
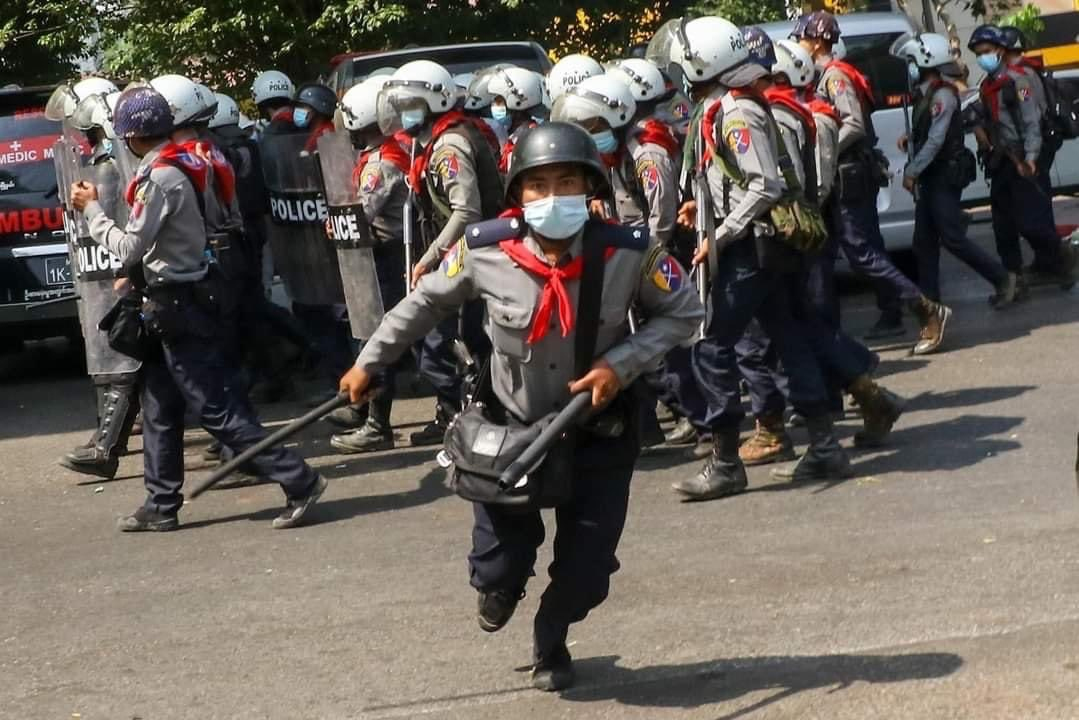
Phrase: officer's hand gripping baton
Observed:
(577, 408)
(339, 401)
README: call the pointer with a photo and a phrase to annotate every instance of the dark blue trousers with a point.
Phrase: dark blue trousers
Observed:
(327, 326)
(193, 373)
(759, 364)
(589, 528)
(1023, 206)
(740, 292)
(857, 227)
(938, 222)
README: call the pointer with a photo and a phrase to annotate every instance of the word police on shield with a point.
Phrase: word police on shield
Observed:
(301, 207)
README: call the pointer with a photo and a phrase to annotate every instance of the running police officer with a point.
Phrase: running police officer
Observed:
(526, 269)
(1012, 146)
(939, 169)
(750, 269)
(186, 367)
(854, 213)
(455, 177)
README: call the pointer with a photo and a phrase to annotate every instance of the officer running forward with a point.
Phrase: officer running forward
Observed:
(1011, 143)
(854, 214)
(939, 169)
(525, 269)
(748, 270)
(188, 367)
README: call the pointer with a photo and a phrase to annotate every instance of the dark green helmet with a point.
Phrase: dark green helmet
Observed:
(552, 143)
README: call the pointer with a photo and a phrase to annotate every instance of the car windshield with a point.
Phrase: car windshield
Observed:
(26, 139)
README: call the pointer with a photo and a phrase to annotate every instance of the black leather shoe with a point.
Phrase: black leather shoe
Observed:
(433, 433)
(681, 434)
(367, 439)
(91, 461)
(495, 608)
(144, 520)
(718, 478)
(553, 671)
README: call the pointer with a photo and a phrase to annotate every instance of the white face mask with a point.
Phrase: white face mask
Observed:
(557, 216)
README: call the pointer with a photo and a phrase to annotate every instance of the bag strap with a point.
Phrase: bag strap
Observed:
(588, 304)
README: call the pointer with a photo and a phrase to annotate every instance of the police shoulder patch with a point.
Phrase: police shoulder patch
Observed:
(837, 85)
(371, 178)
(648, 172)
(492, 232)
(1024, 91)
(446, 164)
(667, 274)
(938, 108)
(737, 135)
(454, 260)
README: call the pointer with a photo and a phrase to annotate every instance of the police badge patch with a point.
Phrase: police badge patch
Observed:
(737, 134)
(371, 179)
(446, 165)
(837, 86)
(649, 174)
(454, 260)
(668, 275)
(938, 108)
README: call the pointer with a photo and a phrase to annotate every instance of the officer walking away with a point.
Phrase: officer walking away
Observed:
(1011, 145)
(166, 235)
(854, 212)
(752, 274)
(940, 167)
(526, 268)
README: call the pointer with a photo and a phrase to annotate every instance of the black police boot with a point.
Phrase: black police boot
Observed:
(1007, 292)
(722, 475)
(435, 431)
(887, 326)
(350, 417)
(824, 460)
(144, 520)
(880, 409)
(102, 458)
(683, 433)
(212, 452)
(553, 670)
(296, 508)
(496, 607)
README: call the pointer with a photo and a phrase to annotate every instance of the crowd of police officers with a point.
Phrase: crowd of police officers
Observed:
(461, 220)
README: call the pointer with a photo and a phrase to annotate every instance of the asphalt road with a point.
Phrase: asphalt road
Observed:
(943, 582)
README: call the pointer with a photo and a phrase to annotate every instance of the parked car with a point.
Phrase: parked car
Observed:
(34, 265)
(352, 68)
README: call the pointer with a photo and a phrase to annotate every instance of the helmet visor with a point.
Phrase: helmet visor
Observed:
(395, 101)
(92, 112)
(61, 103)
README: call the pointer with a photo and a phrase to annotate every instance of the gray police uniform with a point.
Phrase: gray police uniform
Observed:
(826, 155)
(531, 380)
(655, 180)
(1020, 205)
(166, 232)
(937, 141)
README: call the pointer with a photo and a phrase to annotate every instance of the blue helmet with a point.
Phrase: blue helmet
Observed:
(142, 112)
(1013, 37)
(761, 50)
(987, 34)
(818, 25)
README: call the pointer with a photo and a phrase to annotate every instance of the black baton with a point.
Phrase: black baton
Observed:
(577, 408)
(339, 400)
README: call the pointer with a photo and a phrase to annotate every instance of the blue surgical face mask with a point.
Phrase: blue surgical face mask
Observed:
(605, 141)
(106, 145)
(557, 216)
(301, 117)
(989, 62)
(412, 119)
(915, 73)
(499, 112)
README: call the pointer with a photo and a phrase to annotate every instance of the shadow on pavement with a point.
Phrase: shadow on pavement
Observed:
(432, 487)
(695, 685)
(966, 397)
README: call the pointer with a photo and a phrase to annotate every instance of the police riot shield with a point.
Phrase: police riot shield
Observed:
(351, 234)
(93, 268)
(303, 255)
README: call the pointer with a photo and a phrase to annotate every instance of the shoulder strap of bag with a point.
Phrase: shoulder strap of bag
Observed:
(588, 304)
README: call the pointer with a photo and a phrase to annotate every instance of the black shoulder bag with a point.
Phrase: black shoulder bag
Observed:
(483, 439)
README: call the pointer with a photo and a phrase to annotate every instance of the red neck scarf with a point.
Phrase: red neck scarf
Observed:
(320, 128)
(1033, 64)
(389, 151)
(817, 106)
(554, 289)
(990, 92)
(224, 175)
(173, 155)
(861, 85)
(444, 123)
(511, 142)
(658, 133)
(787, 97)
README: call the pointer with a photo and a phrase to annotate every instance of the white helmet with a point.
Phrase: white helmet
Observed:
(478, 96)
(596, 97)
(793, 61)
(184, 97)
(521, 89)
(96, 111)
(569, 71)
(928, 50)
(710, 47)
(359, 106)
(227, 113)
(65, 99)
(271, 84)
(209, 100)
(643, 77)
(420, 86)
